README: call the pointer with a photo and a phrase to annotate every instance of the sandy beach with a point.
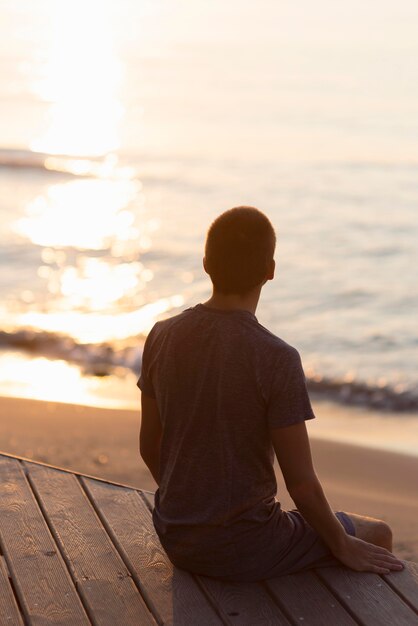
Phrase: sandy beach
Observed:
(104, 443)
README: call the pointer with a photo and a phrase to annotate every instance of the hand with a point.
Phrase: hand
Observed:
(363, 556)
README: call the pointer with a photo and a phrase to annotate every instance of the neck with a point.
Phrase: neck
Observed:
(231, 302)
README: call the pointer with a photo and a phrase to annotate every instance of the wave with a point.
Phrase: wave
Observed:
(105, 359)
(99, 359)
(359, 393)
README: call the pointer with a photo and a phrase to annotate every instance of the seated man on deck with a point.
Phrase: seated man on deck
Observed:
(220, 395)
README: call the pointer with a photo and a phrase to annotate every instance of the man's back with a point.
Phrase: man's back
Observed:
(220, 379)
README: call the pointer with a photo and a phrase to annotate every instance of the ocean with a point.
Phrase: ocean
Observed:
(126, 128)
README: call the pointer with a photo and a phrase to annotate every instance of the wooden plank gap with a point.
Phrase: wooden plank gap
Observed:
(148, 498)
(3, 560)
(405, 584)
(6, 569)
(340, 600)
(336, 596)
(147, 492)
(120, 551)
(9, 601)
(57, 542)
(281, 605)
(404, 598)
(210, 600)
(19, 606)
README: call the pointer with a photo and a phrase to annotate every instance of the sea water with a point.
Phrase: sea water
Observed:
(127, 127)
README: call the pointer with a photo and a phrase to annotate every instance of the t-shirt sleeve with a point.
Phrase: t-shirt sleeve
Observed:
(289, 402)
(144, 381)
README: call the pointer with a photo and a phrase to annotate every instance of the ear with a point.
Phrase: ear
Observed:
(204, 265)
(271, 268)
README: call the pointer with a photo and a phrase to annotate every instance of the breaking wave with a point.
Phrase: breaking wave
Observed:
(99, 359)
(387, 398)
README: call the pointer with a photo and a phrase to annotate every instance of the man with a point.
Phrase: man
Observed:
(220, 395)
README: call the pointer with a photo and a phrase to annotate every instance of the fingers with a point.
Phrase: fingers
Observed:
(386, 566)
(368, 557)
(382, 561)
(386, 557)
(383, 553)
(389, 566)
(379, 570)
(390, 559)
(386, 561)
(396, 565)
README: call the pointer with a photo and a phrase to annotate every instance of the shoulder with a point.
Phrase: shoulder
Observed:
(162, 327)
(170, 322)
(275, 346)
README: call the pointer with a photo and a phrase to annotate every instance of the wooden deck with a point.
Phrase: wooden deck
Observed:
(76, 550)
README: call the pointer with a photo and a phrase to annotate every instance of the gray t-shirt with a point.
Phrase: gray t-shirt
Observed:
(220, 379)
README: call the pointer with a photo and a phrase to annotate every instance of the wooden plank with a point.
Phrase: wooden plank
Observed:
(307, 600)
(246, 604)
(368, 597)
(40, 577)
(9, 610)
(405, 583)
(173, 595)
(101, 576)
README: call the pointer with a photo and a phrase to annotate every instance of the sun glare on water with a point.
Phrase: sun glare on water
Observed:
(92, 229)
(80, 79)
(97, 327)
(59, 381)
(83, 214)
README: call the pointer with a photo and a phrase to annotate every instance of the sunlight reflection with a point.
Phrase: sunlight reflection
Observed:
(101, 327)
(59, 381)
(97, 284)
(84, 214)
(81, 79)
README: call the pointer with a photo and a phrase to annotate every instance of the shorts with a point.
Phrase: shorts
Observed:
(304, 549)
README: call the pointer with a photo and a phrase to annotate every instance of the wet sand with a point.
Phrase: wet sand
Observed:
(104, 443)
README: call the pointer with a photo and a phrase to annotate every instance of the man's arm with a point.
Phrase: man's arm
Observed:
(150, 435)
(293, 452)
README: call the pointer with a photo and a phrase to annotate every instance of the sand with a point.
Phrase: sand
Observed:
(104, 443)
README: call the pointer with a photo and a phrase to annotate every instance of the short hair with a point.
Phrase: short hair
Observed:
(240, 243)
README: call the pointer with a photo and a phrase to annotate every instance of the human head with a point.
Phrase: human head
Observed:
(239, 250)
